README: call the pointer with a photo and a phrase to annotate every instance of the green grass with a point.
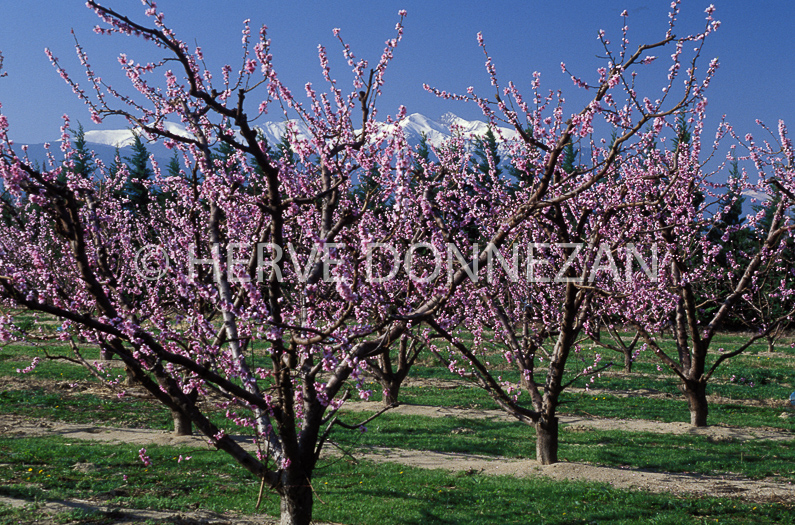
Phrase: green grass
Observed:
(58, 468)
(23, 515)
(511, 439)
(368, 493)
(363, 493)
(66, 406)
(85, 408)
(56, 370)
(79, 408)
(672, 410)
(17, 350)
(605, 405)
(661, 452)
(772, 376)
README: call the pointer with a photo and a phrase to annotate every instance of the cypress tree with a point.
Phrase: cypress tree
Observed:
(569, 162)
(136, 189)
(284, 150)
(422, 155)
(486, 149)
(84, 164)
(173, 168)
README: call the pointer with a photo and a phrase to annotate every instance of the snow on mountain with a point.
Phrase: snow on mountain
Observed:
(116, 138)
(274, 131)
(476, 128)
(104, 142)
(438, 131)
(414, 126)
(122, 138)
(470, 128)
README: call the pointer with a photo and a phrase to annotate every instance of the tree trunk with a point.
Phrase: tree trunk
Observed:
(526, 382)
(105, 355)
(627, 361)
(129, 380)
(182, 424)
(391, 390)
(296, 503)
(771, 344)
(547, 440)
(696, 395)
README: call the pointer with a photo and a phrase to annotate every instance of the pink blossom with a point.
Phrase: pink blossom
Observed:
(144, 458)
(31, 367)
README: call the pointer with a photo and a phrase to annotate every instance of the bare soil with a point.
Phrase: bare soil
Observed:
(633, 479)
(690, 484)
(768, 490)
(44, 512)
(717, 433)
(451, 384)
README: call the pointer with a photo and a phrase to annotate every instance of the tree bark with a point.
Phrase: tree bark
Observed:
(627, 361)
(182, 424)
(391, 390)
(696, 395)
(526, 381)
(389, 378)
(129, 379)
(296, 503)
(547, 440)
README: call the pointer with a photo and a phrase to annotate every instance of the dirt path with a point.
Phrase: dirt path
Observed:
(718, 433)
(625, 478)
(49, 510)
(634, 479)
(648, 393)
(27, 427)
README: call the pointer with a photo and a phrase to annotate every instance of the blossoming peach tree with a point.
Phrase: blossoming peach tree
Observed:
(251, 283)
(559, 271)
(696, 295)
(242, 286)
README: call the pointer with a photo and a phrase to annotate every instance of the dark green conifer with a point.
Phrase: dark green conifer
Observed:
(136, 189)
(486, 151)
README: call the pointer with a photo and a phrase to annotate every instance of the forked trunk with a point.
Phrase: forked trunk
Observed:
(628, 361)
(547, 440)
(182, 424)
(696, 395)
(296, 503)
(391, 391)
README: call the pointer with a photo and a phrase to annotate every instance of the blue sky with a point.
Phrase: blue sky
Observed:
(754, 44)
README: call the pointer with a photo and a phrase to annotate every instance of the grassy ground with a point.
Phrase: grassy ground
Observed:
(53, 468)
(658, 452)
(354, 493)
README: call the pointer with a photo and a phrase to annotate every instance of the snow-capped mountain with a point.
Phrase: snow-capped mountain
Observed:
(476, 128)
(414, 126)
(123, 138)
(104, 142)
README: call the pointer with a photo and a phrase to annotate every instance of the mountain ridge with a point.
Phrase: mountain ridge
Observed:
(414, 125)
(105, 142)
